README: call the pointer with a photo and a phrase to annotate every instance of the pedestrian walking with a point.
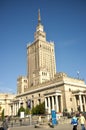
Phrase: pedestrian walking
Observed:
(82, 121)
(5, 125)
(1, 128)
(74, 122)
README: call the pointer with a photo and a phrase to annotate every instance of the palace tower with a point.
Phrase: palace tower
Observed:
(41, 57)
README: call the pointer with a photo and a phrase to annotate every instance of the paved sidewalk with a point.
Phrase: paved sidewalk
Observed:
(58, 127)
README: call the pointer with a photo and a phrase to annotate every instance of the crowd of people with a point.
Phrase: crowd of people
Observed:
(81, 120)
(75, 121)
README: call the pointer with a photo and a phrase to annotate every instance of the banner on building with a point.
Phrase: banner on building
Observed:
(29, 103)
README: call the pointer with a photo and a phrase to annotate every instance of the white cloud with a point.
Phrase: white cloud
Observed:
(4, 89)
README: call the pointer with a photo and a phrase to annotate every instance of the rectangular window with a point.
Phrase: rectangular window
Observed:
(70, 99)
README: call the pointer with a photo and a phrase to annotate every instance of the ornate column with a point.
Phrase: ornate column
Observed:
(14, 109)
(49, 107)
(19, 104)
(46, 103)
(75, 103)
(61, 104)
(53, 103)
(56, 98)
(17, 107)
(84, 102)
(80, 101)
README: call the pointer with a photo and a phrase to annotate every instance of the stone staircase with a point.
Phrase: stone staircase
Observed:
(64, 120)
(46, 124)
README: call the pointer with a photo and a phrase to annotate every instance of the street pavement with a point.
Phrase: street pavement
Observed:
(58, 127)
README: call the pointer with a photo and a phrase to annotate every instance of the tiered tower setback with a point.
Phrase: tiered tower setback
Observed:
(41, 57)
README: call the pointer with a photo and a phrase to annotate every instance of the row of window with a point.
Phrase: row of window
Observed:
(44, 73)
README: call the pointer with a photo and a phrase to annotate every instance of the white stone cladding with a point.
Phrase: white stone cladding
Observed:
(5, 100)
(58, 90)
(40, 58)
(59, 94)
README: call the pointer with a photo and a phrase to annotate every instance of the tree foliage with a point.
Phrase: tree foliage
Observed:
(39, 109)
(2, 115)
(21, 109)
(27, 111)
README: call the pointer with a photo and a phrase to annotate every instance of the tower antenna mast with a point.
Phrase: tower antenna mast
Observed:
(39, 17)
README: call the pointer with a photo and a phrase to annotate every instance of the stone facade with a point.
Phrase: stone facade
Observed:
(5, 100)
(59, 94)
(58, 90)
(22, 84)
(41, 58)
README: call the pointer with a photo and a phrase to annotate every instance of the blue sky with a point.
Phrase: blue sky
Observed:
(64, 22)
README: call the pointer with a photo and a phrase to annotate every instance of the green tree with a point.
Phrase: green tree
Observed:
(27, 111)
(2, 115)
(39, 109)
(33, 111)
(42, 108)
(21, 109)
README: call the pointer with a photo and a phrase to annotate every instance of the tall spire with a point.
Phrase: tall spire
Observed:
(39, 17)
(39, 34)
